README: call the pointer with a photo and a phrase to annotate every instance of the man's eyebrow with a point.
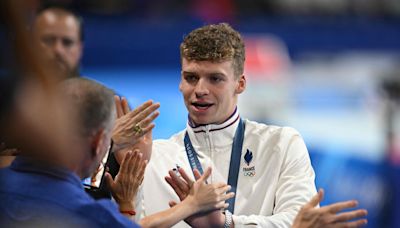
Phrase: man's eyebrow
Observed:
(217, 73)
(188, 72)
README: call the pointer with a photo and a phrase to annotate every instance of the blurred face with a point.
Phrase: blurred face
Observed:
(59, 38)
(210, 90)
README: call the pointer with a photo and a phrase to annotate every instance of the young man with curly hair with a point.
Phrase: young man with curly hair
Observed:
(267, 166)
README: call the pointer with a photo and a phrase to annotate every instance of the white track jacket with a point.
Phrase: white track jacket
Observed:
(272, 186)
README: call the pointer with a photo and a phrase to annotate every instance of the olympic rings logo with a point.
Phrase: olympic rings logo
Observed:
(250, 174)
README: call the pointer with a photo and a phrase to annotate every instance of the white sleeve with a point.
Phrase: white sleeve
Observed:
(295, 187)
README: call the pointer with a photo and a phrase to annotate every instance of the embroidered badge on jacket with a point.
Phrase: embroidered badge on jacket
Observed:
(249, 170)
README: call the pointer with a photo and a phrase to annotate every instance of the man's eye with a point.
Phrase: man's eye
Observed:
(67, 42)
(190, 78)
(48, 41)
(215, 79)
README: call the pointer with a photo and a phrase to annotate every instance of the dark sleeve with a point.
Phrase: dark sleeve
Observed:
(103, 192)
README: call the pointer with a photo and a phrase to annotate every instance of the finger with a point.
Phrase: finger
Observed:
(124, 164)
(227, 196)
(197, 174)
(220, 185)
(336, 207)
(172, 203)
(142, 168)
(185, 176)
(138, 117)
(148, 121)
(145, 130)
(206, 175)
(182, 184)
(346, 216)
(109, 180)
(175, 187)
(125, 105)
(224, 189)
(140, 109)
(221, 205)
(118, 106)
(134, 162)
(354, 224)
(315, 200)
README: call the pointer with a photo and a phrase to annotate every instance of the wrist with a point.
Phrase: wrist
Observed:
(126, 206)
(189, 205)
(228, 219)
(128, 212)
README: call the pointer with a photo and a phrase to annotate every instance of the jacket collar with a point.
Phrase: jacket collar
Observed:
(218, 135)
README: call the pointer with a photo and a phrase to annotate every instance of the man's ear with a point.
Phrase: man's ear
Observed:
(97, 142)
(241, 86)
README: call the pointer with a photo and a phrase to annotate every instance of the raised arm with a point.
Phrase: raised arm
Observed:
(126, 184)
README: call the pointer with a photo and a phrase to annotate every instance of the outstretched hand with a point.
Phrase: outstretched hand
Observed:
(329, 216)
(126, 184)
(206, 198)
(133, 129)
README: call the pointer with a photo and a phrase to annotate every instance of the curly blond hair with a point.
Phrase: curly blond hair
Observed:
(216, 43)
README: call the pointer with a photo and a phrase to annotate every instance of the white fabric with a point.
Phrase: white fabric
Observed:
(283, 180)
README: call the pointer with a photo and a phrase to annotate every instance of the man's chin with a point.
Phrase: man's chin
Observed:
(200, 120)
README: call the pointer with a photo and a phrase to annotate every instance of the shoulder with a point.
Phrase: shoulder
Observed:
(268, 132)
(172, 144)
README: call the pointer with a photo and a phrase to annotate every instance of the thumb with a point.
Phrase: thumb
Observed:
(196, 174)
(172, 203)
(109, 180)
(206, 175)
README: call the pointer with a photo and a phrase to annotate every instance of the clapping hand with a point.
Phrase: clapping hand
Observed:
(209, 205)
(133, 129)
(126, 184)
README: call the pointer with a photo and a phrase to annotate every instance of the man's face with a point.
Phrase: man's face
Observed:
(58, 36)
(210, 90)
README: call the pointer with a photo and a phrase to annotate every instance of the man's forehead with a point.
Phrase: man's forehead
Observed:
(52, 22)
(224, 66)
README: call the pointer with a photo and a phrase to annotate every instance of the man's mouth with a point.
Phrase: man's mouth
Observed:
(201, 106)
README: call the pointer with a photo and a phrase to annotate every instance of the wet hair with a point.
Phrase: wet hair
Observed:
(64, 11)
(94, 104)
(216, 43)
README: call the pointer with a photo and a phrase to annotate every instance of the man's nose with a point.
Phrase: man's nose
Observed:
(201, 88)
(58, 47)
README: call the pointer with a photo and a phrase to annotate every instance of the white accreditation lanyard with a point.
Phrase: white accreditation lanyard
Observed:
(234, 163)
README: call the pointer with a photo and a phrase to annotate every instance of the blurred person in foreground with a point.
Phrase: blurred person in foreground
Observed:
(39, 191)
(58, 42)
(267, 166)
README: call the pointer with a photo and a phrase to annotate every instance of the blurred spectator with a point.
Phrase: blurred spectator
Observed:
(59, 35)
(39, 190)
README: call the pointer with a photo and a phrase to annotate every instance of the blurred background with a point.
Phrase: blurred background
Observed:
(330, 69)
